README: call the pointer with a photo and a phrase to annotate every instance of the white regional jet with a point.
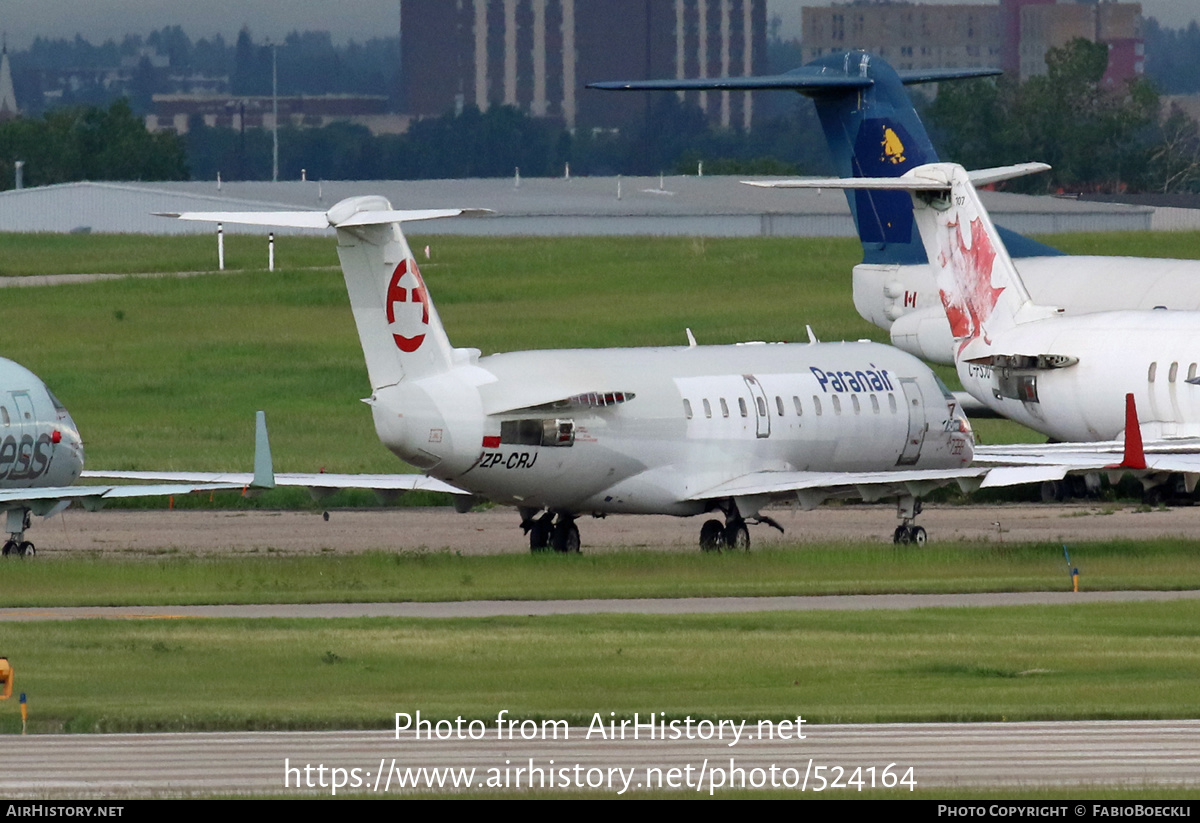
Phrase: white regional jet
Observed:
(689, 430)
(41, 457)
(1064, 375)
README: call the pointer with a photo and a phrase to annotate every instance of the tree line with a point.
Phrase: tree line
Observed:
(1096, 138)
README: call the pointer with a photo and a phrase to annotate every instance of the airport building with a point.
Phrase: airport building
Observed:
(1014, 34)
(686, 206)
(538, 55)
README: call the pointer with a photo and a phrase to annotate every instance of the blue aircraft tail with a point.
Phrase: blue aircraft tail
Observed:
(872, 130)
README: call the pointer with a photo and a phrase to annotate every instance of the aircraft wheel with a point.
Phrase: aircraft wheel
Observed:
(10, 546)
(918, 535)
(540, 533)
(737, 536)
(566, 537)
(901, 537)
(712, 536)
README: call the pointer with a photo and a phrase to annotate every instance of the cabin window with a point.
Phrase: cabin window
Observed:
(892, 402)
(762, 406)
(4, 412)
(1173, 373)
(875, 404)
(837, 404)
(799, 408)
(1191, 372)
(854, 402)
(707, 408)
(742, 407)
(724, 408)
(687, 408)
(551, 432)
(779, 405)
(817, 405)
(1152, 372)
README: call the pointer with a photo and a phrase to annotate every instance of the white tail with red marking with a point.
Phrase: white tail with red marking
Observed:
(398, 326)
(977, 281)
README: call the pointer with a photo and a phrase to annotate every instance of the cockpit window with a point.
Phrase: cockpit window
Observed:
(58, 406)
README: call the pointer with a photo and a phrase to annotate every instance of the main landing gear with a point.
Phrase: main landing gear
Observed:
(18, 522)
(907, 508)
(732, 534)
(546, 533)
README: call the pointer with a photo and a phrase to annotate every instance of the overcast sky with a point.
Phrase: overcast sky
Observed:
(99, 20)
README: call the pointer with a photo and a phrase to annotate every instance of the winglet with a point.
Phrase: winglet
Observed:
(264, 469)
(1135, 456)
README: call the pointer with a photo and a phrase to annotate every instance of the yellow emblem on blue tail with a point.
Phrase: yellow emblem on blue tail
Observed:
(893, 149)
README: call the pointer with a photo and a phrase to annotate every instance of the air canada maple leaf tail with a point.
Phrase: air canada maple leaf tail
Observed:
(398, 326)
(980, 288)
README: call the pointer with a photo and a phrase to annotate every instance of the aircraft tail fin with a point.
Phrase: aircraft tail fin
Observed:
(980, 288)
(871, 129)
(398, 326)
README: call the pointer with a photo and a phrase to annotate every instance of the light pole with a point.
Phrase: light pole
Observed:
(274, 117)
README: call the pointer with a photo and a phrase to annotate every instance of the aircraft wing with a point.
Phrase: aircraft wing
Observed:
(813, 488)
(314, 481)
(1181, 456)
(49, 500)
(263, 477)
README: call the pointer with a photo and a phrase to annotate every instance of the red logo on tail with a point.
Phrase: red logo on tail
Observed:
(970, 305)
(398, 293)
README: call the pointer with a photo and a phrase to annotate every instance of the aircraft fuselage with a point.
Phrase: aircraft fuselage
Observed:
(39, 442)
(650, 428)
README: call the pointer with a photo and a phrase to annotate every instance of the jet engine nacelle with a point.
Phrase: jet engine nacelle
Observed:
(435, 424)
(926, 334)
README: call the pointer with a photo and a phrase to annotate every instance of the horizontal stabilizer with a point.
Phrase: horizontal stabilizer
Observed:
(799, 80)
(914, 77)
(922, 178)
(320, 219)
(812, 78)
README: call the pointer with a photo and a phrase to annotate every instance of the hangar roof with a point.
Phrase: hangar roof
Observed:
(674, 205)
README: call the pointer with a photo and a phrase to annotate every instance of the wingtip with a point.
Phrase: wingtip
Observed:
(264, 467)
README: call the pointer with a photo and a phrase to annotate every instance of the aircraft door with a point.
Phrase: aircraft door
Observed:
(762, 409)
(914, 401)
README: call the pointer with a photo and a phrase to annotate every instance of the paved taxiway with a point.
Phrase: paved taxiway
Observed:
(1080, 753)
(496, 530)
(677, 605)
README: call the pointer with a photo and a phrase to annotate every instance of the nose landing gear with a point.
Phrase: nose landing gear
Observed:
(907, 509)
(18, 522)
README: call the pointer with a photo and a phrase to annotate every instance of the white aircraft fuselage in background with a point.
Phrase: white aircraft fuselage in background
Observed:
(677, 431)
(903, 298)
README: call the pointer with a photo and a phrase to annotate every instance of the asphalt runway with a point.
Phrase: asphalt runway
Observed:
(1140, 754)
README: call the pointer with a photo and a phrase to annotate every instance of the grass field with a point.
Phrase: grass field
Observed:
(439, 576)
(167, 373)
(969, 664)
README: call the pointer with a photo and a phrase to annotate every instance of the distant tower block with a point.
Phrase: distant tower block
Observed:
(8, 97)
